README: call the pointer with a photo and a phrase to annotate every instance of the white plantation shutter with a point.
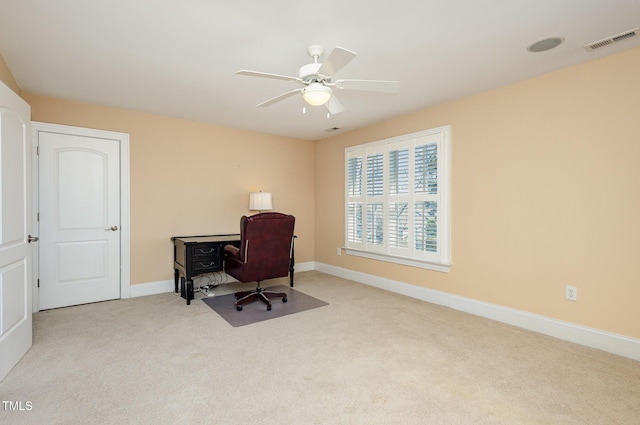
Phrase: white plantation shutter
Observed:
(426, 226)
(375, 190)
(355, 200)
(397, 199)
(398, 225)
(354, 223)
(426, 167)
(399, 171)
(375, 177)
(426, 197)
(354, 176)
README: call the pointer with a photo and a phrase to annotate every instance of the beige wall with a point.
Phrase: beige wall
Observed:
(7, 77)
(190, 178)
(545, 193)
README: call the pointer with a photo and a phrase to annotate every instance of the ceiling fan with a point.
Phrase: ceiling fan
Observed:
(317, 79)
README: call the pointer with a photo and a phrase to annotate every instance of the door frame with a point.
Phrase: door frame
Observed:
(125, 221)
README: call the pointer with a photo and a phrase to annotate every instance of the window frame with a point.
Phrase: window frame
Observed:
(440, 260)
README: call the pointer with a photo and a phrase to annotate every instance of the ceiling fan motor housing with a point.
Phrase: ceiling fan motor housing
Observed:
(309, 73)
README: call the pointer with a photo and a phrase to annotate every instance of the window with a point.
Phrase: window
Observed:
(397, 199)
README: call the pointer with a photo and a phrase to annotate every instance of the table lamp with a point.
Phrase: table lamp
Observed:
(260, 201)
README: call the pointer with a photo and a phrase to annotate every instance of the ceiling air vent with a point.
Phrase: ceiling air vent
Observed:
(610, 40)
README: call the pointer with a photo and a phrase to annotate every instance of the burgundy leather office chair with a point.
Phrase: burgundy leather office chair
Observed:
(266, 249)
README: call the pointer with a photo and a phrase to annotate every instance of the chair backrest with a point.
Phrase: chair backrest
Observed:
(265, 245)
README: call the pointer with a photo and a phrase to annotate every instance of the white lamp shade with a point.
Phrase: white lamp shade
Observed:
(316, 94)
(260, 201)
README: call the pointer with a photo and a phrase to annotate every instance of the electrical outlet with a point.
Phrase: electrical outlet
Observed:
(339, 251)
(571, 293)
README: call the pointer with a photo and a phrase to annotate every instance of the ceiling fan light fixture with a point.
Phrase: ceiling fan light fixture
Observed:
(316, 94)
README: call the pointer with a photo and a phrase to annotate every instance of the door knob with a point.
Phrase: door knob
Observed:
(112, 228)
(33, 239)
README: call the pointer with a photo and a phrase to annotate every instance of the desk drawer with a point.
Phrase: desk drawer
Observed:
(206, 250)
(206, 263)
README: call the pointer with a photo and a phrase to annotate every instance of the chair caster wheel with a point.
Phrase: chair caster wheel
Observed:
(239, 307)
(269, 307)
(284, 299)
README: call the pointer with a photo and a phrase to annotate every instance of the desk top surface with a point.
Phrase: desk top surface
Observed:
(207, 238)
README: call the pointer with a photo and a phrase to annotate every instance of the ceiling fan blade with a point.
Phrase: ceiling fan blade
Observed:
(334, 105)
(368, 85)
(337, 59)
(267, 75)
(279, 98)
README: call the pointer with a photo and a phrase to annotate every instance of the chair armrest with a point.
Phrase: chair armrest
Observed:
(232, 251)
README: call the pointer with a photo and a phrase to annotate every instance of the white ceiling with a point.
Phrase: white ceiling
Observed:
(179, 57)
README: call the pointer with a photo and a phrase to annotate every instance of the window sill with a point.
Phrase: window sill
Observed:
(439, 267)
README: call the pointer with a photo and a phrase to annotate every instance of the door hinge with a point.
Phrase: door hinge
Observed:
(38, 217)
(38, 150)
(38, 283)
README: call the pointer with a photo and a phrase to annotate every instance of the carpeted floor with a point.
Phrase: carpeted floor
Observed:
(368, 357)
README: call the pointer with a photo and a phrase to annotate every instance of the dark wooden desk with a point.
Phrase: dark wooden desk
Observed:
(196, 255)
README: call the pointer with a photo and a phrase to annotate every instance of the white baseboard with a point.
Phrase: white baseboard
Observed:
(162, 286)
(151, 288)
(305, 267)
(609, 342)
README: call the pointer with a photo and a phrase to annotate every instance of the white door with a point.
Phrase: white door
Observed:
(79, 210)
(15, 210)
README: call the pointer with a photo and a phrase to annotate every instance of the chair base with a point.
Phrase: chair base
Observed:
(246, 297)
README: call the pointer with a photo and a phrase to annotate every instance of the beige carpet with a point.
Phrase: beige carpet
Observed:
(369, 357)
